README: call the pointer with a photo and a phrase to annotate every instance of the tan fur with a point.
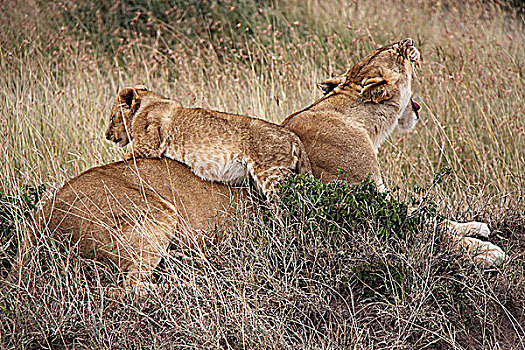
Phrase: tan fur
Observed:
(344, 129)
(130, 212)
(216, 146)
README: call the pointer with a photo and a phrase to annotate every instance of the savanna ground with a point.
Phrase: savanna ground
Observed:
(269, 283)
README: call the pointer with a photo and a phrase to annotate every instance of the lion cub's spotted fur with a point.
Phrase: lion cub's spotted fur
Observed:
(216, 146)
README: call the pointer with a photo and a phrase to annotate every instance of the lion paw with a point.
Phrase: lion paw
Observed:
(472, 228)
(476, 228)
(139, 290)
(484, 254)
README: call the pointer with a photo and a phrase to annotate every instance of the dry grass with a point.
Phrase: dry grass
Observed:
(63, 64)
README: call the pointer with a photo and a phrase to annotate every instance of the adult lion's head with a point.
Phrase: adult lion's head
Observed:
(385, 74)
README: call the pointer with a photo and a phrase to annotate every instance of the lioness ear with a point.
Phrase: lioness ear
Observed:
(329, 85)
(376, 90)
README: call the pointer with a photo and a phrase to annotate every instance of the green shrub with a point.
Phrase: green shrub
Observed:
(338, 219)
(14, 207)
(339, 205)
(378, 277)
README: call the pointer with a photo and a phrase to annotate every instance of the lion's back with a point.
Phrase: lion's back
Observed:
(100, 201)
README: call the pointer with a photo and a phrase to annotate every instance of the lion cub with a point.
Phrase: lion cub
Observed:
(216, 146)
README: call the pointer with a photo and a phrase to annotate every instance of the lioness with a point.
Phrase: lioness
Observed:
(216, 146)
(357, 113)
(130, 212)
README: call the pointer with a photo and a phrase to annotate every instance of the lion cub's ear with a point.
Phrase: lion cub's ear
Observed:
(376, 90)
(329, 85)
(127, 99)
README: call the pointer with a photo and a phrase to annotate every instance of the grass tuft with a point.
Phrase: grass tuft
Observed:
(339, 205)
(14, 209)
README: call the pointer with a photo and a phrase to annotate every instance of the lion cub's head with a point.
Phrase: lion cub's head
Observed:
(124, 110)
(384, 74)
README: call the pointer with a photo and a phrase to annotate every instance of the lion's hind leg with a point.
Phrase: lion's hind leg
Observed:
(141, 251)
(483, 253)
(270, 172)
(269, 180)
